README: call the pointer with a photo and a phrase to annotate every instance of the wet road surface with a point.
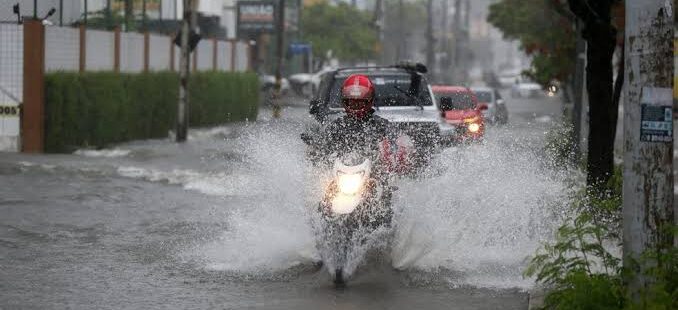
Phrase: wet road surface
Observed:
(222, 222)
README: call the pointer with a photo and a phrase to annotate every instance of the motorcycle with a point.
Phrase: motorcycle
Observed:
(356, 205)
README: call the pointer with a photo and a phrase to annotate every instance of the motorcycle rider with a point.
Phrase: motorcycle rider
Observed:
(360, 128)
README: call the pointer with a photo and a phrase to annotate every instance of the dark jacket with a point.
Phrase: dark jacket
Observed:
(348, 134)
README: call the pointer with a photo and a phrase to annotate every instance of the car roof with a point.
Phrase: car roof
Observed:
(449, 89)
(482, 88)
(344, 72)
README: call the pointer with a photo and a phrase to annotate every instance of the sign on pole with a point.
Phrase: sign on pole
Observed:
(255, 17)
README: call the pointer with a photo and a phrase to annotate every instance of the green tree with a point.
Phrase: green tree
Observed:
(347, 32)
(545, 30)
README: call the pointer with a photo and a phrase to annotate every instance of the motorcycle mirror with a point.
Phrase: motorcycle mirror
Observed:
(314, 106)
(446, 103)
(306, 138)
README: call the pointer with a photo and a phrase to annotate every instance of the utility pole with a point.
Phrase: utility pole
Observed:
(465, 50)
(401, 29)
(280, 40)
(61, 13)
(143, 15)
(128, 13)
(430, 41)
(648, 209)
(378, 20)
(35, 9)
(184, 69)
(457, 41)
(444, 33)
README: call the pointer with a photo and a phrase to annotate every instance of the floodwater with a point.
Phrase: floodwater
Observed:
(223, 221)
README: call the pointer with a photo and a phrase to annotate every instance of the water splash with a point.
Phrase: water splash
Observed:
(484, 210)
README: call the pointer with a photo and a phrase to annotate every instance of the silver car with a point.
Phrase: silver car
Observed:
(496, 112)
(403, 96)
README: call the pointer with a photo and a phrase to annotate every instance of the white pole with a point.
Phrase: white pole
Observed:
(648, 209)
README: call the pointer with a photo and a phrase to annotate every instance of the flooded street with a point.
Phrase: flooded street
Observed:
(223, 222)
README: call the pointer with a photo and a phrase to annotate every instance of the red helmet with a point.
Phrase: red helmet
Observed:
(357, 95)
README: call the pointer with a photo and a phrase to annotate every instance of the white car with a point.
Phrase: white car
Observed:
(526, 90)
(496, 107)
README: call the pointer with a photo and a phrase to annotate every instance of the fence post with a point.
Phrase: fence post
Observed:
(171, 64)
(215, 52)
(147, 49)
(116, 49)
(83, 48)
(33, 106)
(233, 52)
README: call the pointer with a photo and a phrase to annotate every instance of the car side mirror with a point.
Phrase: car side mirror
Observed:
(482, 106)
(446, 103)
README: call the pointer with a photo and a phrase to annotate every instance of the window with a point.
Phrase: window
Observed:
(458, 101)
(390, 91)
(484, 96)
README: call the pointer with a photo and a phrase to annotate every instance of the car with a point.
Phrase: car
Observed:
(463, 120)
(526, 89)
(496, 112)
(307, 84)
(267, 83)
(403, 96)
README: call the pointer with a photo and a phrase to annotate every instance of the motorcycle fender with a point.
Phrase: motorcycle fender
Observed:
(345, 204)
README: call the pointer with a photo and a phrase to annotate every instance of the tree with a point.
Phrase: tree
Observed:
(600, 36)
(545, 32)
(545, 29)
(346, 31)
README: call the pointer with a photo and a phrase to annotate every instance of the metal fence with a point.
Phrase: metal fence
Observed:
(11, 84)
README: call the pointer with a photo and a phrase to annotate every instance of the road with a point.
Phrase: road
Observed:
(222, 222)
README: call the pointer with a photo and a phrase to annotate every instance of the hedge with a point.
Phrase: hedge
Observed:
(96, 109)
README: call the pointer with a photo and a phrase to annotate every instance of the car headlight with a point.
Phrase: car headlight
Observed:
(473, 127)
(350, 183)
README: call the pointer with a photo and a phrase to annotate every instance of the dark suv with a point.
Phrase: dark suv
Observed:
(403, 97)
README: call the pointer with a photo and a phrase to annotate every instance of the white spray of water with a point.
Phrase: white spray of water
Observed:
(475, 217)
(481, 217)
(272, 232)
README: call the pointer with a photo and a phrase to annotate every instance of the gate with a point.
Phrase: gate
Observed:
(11, 85)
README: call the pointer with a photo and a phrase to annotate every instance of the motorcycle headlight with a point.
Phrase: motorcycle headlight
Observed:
(473, 127)
(350, 183)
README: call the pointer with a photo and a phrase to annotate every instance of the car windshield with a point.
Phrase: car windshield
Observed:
(460, 100)
(389, 90)
(484, 96)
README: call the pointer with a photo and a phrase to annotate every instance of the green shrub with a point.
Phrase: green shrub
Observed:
(96, 109)
(579, 271)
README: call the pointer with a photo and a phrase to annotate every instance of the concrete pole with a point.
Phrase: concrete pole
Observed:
(456, 50)
(430, 40)
(184, 71)
(280, 42)
(648, 209)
